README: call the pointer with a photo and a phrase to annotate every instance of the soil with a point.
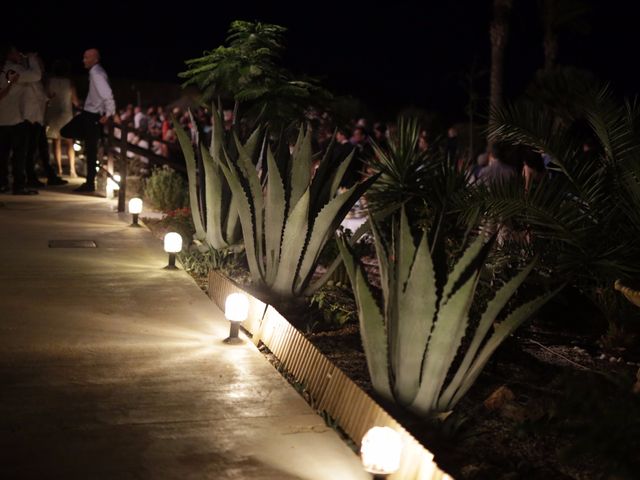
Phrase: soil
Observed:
(561, 406)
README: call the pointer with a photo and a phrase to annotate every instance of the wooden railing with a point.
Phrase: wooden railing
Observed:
(116, 148)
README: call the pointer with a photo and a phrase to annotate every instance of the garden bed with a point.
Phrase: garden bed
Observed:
(549, 405)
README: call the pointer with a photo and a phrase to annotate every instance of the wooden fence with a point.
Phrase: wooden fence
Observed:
(116, 148)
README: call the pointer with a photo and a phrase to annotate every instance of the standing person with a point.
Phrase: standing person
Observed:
(59, 113)
(34, 104)
(99, 107)
(14, 130)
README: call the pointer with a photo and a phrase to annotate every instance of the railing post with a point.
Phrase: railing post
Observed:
(110, 136)
(122, 192)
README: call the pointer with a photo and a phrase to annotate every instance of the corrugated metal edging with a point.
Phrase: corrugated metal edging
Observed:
(330, 390)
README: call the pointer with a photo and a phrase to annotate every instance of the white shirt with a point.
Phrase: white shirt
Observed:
(100, 98)
(11, 106)
(34, 98)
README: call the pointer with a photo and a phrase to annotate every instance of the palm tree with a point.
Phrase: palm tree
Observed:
(246, 71)
(499, 33)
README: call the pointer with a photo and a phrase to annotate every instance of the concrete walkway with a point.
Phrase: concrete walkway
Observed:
(113, 368)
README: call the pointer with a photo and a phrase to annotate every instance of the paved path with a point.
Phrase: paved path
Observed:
(113, 368)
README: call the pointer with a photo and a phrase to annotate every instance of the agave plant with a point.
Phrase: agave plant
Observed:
(287, 221)
(219, 227)
(413, 337)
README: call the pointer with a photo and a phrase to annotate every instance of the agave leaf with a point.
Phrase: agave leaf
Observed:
(214, 201)
(243, 201)
(494, 307)
(451, 322)
(372, 328)
(233, 233)
(293, 242)
(385, 262)
(190, 160)
(301, 167)
(217, 134)
(251, 180)
(323, 227)
(500, 332)
(469, 256)
(253, 143)
(416, 309)
(274, 218)
(342, 169)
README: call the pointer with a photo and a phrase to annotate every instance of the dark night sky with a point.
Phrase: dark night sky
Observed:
(392, 55)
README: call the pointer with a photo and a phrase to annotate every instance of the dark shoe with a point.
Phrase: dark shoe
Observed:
(25, 191)
(85, 187)
(35, 183)
(4, 189)
(56, 181)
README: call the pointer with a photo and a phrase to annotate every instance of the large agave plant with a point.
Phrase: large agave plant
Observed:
(412, 337)
(220, 228)
(287, 219)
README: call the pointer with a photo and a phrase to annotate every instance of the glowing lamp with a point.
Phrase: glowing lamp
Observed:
(381, 450)
(172, 245)
(236, 310)
(77, 147)
(135, 209)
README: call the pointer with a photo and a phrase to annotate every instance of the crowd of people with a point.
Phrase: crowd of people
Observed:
(37, 107)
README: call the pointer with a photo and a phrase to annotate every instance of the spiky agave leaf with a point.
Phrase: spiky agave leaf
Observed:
(501, 331)
(415, 308)
(322, 227)
(214, 188)
(190, 160)
(372, 324)
(492, 310)
(274, 218)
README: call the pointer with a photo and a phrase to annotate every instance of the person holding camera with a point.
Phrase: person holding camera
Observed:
(14, 130)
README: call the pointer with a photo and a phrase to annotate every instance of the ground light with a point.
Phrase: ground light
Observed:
(236, 310)
(172, 245)
(380, 451)
(135, 209)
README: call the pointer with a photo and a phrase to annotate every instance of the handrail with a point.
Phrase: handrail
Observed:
(120, 147)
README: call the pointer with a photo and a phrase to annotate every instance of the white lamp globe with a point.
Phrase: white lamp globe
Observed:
(381, 450)
(135, 205)
(236, 307)
(172, 242)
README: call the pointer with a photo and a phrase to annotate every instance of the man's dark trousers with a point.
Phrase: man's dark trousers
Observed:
(13, 144)
(87, 127)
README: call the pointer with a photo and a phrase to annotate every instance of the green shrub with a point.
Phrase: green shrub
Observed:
(166, 190)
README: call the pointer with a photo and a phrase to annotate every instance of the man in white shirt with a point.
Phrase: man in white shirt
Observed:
(99, 107)
(14, 77)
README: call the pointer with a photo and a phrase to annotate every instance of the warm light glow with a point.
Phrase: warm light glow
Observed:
(172, 242)
(77, 147)
(236, 307)
(381, 450)
(135, 205)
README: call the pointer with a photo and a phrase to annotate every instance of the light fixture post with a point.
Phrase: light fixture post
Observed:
(172, 245)
(236, 310)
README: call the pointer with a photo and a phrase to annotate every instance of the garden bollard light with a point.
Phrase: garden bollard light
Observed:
(135, 209)
(236, 310)
(172, 245)
(380, 451)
